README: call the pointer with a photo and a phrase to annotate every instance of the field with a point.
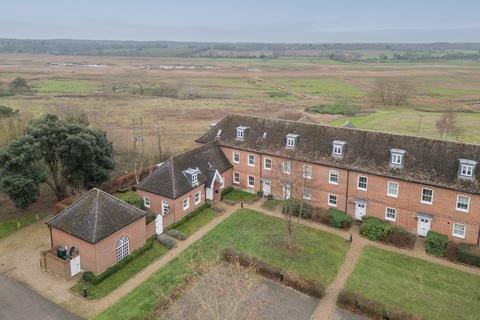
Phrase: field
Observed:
(127, 96)
(427, 289)
(318, 256)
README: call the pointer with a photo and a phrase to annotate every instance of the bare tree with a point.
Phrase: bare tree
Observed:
(291, 182)
(447, 125)
(392, 92)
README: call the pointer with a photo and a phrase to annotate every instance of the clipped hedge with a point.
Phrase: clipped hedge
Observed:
(95, 279)
(372, 309)
(436, 244)
(469, 254)
(169, 243)
(290, 279)
(339, 219)
(179, 235)
(400, 237)
(374, 228)
(295, 206)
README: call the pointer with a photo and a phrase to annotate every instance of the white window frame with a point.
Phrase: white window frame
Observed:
(122, 248)
(199, 195)
(248, 181)
(195, 178)
(234, 175)
(458, 201)
(186, 203)
(240, 133)
(235, 153)
(397, 159)
(307, 194)
(287, 167)
(309, 176)
(466, 170)
(456, 235)
(366, 183)
(422, 194)
(146, 202)
(290, 142)
(395, 195)
(389, 210)
(337, 150)
(165, 208)
(251, 163)
(333, 173)
(332, 197)
(265, 163)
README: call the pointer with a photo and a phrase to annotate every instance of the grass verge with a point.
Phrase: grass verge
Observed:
(7, 227)
(424, 288)
(272, 204)
(197, 221)
(318, 256)
(239, 195)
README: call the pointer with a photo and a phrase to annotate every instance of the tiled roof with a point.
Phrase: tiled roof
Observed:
(427, 161)
(95, 216)
(169, 180)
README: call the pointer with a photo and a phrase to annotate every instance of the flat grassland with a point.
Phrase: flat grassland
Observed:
(318, 256)
(427, 289)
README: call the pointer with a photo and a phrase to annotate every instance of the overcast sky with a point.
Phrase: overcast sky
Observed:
(244, 20)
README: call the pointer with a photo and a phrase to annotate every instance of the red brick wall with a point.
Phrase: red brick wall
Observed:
(98, 257)
(407, 203)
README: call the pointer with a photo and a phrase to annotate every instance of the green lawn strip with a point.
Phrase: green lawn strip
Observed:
(114, 281)
(65, 86)
(272, 204)
(424, 288)
(197, 221)
(323, 87)
(7, 227)
(318, 255)
(239, 195)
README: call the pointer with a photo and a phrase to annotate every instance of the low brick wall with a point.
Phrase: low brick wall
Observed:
(150, 229)
(51, 263)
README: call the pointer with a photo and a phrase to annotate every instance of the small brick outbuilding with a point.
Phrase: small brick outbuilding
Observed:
(102, 228)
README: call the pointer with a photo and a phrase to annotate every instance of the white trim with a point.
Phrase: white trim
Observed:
(304, 171)
(309, 191)
(265, 162)
(287, 167)
(185, 207)
(248, 160)
(122, 247)
(330, 177)
(146, 202)
(233, 156)
(165, 208)
(468, 203)
(386, 214)
(469, 169)
(336, 200)
(457, 235)
(248, 181)
(366, 183)
(388, 189)
(233, 180)
(421, 197)
(199, 193)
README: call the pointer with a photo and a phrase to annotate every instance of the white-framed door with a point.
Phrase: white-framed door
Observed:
(360, 209)
(267, 186)
(423, 225)
(75, 265)
(287, 191)
(159, 224)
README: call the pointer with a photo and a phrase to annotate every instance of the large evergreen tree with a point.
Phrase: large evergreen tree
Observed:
(60, 153)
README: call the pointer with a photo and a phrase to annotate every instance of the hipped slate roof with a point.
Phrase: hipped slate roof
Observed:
(95, 216)
(427, 161)
(169, 180)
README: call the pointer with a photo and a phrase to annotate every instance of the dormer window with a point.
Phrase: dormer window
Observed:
(241, 132)
(219, 133)
(397, 157)
(337, 148)
(467, 169)
(291, 140)
(192, 175)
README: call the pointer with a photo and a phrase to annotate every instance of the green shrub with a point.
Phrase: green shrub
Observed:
(179, 235)
(225, 191)
(436, 244)
(469, 254)
(294, 207)
(123, 189)
(259, 194)
(95, 279)
(400, 237)
(169, 243)
(135, 200)
(374, 228)
(339, 219)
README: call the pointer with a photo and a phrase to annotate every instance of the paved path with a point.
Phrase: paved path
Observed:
(19, 302)
(327, 306)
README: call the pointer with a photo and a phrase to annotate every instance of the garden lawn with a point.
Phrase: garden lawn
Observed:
(196, 221)
(424, 288)
(7, 227)
(65, 86)
(103, 288)
(272, 204)
(318, 255)
(239, 195)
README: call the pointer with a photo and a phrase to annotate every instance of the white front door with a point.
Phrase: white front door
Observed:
(423, 226)
(209, 193)
(159, 224)
(267, 183)
(360, 210)
(287, 191)
(74, 265)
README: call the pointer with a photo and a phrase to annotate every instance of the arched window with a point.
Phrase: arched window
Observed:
(122, 248)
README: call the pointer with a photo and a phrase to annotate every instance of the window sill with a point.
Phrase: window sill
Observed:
(460, 210)
(459, 237)
(428, 203)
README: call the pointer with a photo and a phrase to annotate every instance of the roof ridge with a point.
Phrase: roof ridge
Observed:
(73, 203)
(172, 177)
(344, 128)
(95, 216)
